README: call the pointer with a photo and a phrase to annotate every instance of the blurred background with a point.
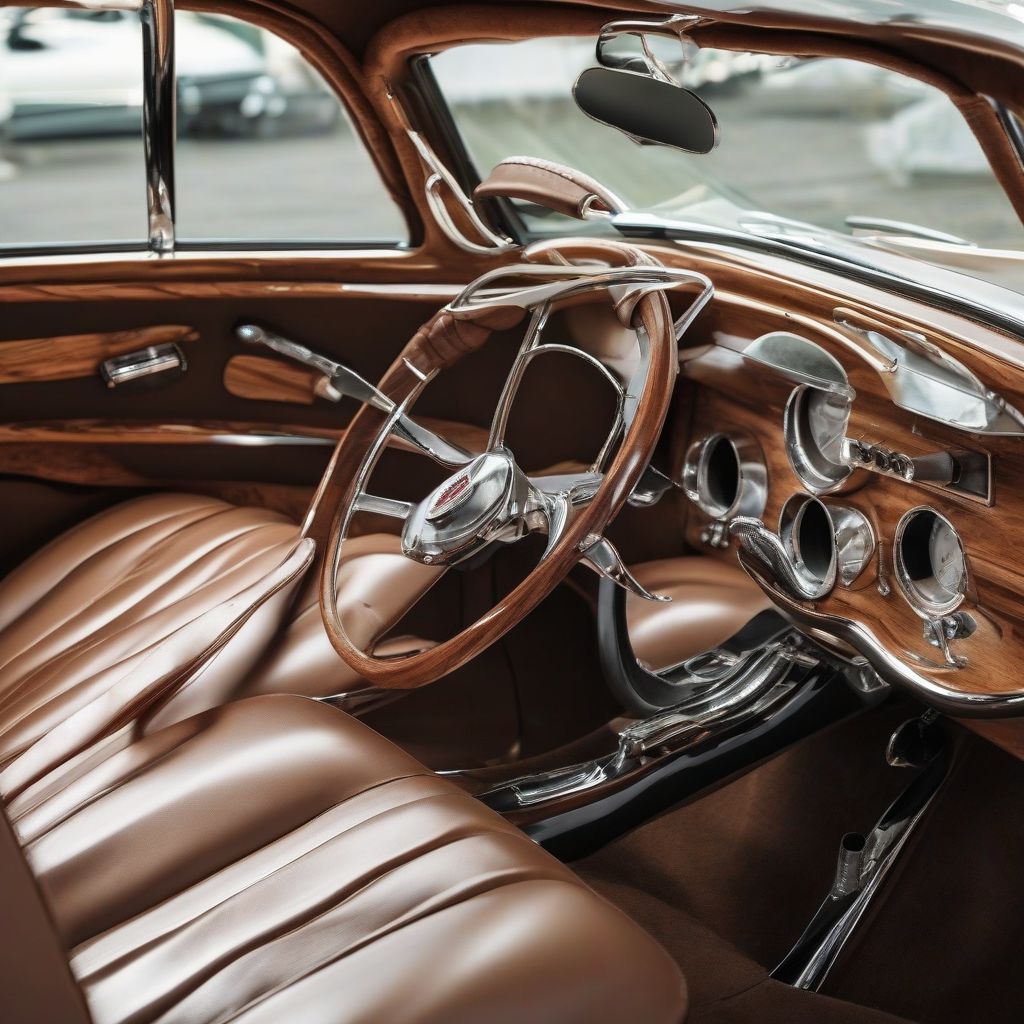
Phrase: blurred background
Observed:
(267, 153)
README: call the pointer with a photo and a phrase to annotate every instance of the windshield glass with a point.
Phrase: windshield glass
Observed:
(835, 143)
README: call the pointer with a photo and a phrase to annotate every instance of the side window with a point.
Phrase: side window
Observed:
(266, 152)
(71, 164)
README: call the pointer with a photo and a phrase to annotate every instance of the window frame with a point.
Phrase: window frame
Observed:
(159, 152)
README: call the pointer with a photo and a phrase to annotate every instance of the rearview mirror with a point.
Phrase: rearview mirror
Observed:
(648, 110)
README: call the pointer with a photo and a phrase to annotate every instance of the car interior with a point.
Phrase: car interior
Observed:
(556, 612)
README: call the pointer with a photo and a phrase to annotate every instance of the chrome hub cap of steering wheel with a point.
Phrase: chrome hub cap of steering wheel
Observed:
(484, 501)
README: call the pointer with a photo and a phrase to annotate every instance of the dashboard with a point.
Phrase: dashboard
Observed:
(862, 459)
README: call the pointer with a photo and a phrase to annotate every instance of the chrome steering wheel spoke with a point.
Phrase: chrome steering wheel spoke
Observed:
(381, 506)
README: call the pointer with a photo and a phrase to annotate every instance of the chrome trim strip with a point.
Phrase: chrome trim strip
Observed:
(146, 362)
(158, 120)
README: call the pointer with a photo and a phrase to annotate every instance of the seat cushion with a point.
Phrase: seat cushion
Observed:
(711, 601)
(123, 616)
(274, 859)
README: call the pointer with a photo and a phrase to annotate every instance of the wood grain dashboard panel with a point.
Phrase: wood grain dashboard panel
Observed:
(79, 355)
(725, 393)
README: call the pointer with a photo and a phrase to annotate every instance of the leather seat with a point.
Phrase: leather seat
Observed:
(124, 616)
(712, 600)
(275, 860)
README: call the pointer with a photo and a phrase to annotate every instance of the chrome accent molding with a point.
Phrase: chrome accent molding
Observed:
(159, 120)
(756, 688)
(883, 225)
(801, 361)
(926, 380)
(949, 699)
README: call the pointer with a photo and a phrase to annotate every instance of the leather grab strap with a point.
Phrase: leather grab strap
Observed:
(545, 183)
(35, 980)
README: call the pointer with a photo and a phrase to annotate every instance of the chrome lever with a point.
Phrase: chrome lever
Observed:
(339, 381)
(601, 555)
(346, 382)
(652, 486)
(771, 560)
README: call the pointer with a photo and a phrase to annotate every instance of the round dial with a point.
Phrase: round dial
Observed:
(931, 566)
(946, 556)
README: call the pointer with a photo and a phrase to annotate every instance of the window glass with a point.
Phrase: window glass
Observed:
(818, 141)
(71, 163)
(266, 151)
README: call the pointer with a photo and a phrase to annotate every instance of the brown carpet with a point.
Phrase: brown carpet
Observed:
(753, 860)
(728, 883)
(945, 946)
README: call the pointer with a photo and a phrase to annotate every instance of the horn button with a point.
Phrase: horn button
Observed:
(484, 501)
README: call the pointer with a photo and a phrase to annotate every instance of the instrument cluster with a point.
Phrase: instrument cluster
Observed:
(860, 519)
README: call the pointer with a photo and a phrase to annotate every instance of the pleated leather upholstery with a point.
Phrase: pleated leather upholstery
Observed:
(275, 860)
(120, 618)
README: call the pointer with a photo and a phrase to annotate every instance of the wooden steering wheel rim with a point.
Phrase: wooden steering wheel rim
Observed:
(441, 342)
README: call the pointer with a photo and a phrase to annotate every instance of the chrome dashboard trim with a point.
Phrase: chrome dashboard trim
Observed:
(990, 305)
(948, 699)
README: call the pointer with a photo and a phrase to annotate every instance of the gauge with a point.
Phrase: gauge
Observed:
(724, 476)
(815, 428)
(930, 562)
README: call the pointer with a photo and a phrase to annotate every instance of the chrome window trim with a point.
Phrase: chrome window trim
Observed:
(159, 120)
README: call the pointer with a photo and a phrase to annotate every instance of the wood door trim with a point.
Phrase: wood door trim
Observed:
(69, 356)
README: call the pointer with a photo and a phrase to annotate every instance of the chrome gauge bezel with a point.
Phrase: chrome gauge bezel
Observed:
(799, 446)
(922, 602)
(751, 476)
(791, 520)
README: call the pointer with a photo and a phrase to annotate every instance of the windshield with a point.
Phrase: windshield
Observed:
(841, 145)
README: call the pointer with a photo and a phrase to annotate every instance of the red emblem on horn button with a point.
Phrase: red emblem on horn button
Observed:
(449, 496)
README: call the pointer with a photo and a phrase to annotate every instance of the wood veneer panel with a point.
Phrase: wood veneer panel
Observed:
(274, 380)
(79, 355)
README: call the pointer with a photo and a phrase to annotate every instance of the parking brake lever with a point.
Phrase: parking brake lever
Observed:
(339, 381)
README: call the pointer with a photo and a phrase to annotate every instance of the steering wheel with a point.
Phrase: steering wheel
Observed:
(488, 499)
